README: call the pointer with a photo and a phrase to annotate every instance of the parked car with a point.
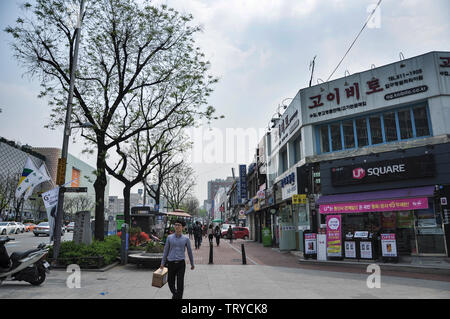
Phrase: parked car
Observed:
(15, 227)
(29, 226)
(7, 228)
(20, 227)
(238, 232)
(70, 226)
(44, 229)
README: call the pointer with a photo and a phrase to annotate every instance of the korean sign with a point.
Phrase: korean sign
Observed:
(334, 238)
(375, 206)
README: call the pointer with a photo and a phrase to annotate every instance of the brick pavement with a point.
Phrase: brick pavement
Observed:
(256, 253)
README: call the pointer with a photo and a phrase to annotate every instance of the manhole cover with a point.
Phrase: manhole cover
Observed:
(101, 278)
(236, 260)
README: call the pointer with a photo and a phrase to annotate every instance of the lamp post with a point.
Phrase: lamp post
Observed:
(62, 161)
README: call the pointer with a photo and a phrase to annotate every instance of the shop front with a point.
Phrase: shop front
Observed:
(409, 217)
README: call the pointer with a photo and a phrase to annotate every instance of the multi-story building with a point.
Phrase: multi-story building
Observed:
(370, 153)
(213, 187)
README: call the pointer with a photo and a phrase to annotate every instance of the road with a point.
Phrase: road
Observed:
(27, 241)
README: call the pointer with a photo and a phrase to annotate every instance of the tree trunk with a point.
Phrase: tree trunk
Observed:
(99, 186)
(126, 204)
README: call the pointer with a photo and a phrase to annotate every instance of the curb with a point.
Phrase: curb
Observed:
(106, 268)
(424, 269)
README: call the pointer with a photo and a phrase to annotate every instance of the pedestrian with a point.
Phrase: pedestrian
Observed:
(230, 234)
(197, 235)
(217, 234)
(190, 230)
(210, 234)
(174, 253)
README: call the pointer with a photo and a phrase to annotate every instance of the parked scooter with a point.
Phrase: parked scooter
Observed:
(29, 266)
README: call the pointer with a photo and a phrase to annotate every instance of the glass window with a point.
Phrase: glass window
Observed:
(404, 121)
(375, 129)
(324, 139)
(421, 121)
(349, 135)
(390, 127)
(361, 132)
(336, 141)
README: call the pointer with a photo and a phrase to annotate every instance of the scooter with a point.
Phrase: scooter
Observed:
(29, 266)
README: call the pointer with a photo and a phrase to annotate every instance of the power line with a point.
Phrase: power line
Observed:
(378, 4)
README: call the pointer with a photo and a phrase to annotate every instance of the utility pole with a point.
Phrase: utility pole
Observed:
(63, 160)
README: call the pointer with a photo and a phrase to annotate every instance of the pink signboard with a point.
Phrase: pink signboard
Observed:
(334, 238)
(375, 206)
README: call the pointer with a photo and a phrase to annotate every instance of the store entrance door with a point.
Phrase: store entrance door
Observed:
(430, 239)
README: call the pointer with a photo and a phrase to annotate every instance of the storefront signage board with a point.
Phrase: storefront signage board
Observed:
(375, 206)
(334, 237)
(384, 171)
(311, 244)
(350, 249)
(396, 83)
(365, 249)
(388, 245)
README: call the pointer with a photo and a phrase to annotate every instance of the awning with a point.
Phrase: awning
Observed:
(378, 201)
(425, 191)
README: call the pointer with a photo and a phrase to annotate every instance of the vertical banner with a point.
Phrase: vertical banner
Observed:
(334, 238)
(242, 183)
(50, 199)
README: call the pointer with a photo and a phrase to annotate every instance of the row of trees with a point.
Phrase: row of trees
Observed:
(140, 82)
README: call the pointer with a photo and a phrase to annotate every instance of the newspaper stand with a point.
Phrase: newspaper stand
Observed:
(365, 245)
(350, 251)
(310, 245)
(389, 252)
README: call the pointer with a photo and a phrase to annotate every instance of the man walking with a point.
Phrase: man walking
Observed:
(174, 253)
(197, 235)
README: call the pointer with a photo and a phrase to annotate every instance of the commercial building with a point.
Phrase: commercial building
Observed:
(364, 158)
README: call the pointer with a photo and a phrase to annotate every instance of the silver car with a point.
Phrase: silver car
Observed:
(44, 229)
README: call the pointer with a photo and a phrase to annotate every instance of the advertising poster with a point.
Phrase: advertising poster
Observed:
(311, 244)
(334, 238)
(350, 249)
(366, 249)
(388, 245)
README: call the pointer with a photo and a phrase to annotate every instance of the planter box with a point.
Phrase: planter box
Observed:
(94, 262)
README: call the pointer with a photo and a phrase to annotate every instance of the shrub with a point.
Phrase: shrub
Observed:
(72, 253)
(154, 247)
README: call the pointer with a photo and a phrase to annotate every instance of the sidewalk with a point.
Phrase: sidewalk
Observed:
(268, 274)
(431, 268)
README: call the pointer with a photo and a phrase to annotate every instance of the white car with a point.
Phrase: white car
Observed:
(7, 228)
(21, 227)
(225, 227)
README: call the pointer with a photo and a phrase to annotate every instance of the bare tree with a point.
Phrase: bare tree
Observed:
(178, 185)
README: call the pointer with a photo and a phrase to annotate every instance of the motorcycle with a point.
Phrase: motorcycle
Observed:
(29, 266)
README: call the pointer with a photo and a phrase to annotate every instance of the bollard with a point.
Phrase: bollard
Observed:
(210, 254)
(124, 245)
(244, 259)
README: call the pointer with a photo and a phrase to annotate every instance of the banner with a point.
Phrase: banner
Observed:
(50, 199)
(30, 176)
(43, 178)
(376, 206)
(334, 238)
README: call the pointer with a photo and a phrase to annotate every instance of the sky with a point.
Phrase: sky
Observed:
(261, 52)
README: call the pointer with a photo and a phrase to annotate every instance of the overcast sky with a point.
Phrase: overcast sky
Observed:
(261, 51)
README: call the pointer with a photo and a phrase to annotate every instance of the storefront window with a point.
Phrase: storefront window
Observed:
(421, 121)
(336, 140)
(404, 120)
(390, 127)
(375, 130)
(361, 131)
(324, 139)
(349, 134)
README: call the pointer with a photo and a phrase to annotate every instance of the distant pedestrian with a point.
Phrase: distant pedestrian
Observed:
(210, 234)
(217, 234)
(197, 234)
(190, 231)
(230, 234)
(174, 253)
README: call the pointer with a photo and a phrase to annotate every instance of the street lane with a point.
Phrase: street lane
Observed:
(27, 241)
